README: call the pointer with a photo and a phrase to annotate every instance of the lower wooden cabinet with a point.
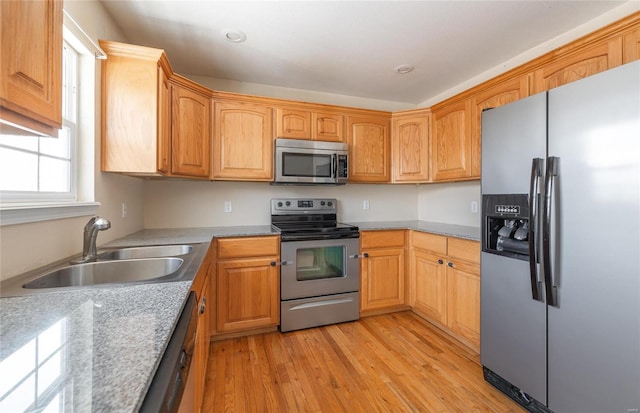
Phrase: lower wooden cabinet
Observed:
(247, 284)
(194, 392)
(445, 283)
(382, 270)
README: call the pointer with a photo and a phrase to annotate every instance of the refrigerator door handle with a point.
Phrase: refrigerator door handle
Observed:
(536, 172)
(550, 287)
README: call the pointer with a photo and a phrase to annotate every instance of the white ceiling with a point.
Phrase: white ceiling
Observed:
(348, 47)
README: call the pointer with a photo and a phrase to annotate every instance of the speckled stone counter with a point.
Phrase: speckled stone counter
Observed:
(459, 231)
(187, 235)
(91, 350)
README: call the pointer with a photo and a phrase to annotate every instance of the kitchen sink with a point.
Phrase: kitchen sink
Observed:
(115, 272)
(114, 267)
(155, 251)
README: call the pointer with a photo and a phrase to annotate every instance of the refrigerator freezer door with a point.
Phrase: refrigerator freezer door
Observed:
(512, 136)
(594, 334)
(512, 325)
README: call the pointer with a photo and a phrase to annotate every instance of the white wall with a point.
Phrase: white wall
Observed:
(450, 203)
(27, 246)
(195, 204)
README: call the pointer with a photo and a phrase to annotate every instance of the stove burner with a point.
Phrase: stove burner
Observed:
(309, 219)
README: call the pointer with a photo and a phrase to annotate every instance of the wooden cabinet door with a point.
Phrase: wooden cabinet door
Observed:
(631, 46)
(589, 61)
(243, 142)
(164, 122)
(31, 64)
(493, 97)
(382, 279)
(201, 354)
(248, 294)
(191, 133)
(410, 148)
(327, 127)
(369, 149)
(293, 124)
(428, 285)
(451, 142)
(463, 298)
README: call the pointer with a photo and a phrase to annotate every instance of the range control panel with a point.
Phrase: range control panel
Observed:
(283, 206)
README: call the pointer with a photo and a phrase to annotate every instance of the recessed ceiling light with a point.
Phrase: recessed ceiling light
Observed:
(235, 36)
(403, 69)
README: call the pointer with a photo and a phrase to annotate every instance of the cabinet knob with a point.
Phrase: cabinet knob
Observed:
(203, 305)
(450, 264)
(440, 262)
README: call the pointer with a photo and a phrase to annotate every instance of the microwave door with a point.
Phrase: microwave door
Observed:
(305, 166)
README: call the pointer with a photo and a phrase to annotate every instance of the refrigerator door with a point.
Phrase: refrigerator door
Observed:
(594, 332)
(512, 323)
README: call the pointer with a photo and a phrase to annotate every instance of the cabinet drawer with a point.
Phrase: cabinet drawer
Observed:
(464, 249)
(248, 247)
(429, 242)
(379, 239)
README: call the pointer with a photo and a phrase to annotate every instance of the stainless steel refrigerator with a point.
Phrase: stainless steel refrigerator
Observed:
(560, 264)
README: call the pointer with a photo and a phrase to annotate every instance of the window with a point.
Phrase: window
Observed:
(44, 178)
(43, 168)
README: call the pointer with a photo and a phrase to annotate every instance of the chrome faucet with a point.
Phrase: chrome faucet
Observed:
(89, 250)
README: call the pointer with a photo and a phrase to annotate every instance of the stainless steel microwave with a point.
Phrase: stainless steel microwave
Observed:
(305, 162)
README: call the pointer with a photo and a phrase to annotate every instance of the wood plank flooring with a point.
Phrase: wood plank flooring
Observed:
(388, 363)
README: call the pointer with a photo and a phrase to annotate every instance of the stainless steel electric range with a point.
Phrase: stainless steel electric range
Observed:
(320, 271)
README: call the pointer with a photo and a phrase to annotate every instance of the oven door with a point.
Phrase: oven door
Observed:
(319, 267)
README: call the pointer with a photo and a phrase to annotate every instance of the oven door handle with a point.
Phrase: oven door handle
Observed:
(275, 263)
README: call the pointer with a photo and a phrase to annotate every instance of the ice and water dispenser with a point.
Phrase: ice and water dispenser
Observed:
(505, 225)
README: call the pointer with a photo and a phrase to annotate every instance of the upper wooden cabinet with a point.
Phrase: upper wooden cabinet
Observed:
(410, 147)
(190, 129)
(369, 149)
(243, 142)
(293, 124)
(300, 123)
(631, 45)
(569, 67)
(492, 97)
(31, 64)
(451, 142)
(136, 110)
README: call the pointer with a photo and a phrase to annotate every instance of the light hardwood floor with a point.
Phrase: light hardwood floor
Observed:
(388, 363)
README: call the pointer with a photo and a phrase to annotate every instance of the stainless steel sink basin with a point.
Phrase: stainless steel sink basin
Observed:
(156, 251)
(107, 272)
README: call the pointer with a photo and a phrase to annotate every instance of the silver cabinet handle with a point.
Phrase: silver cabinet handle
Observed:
(275, 263)
(363, 255)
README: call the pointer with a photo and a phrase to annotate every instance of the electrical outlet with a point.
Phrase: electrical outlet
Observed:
(227, 206)
(124, 210)
(474, 207)
(365, 204)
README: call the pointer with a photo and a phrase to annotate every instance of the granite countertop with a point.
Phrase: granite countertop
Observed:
(187, 235)
(91, 350)
(459, 231)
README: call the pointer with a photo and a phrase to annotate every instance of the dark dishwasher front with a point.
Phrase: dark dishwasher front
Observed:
(168, 385)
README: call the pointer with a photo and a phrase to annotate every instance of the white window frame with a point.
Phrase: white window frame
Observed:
(23, 207)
